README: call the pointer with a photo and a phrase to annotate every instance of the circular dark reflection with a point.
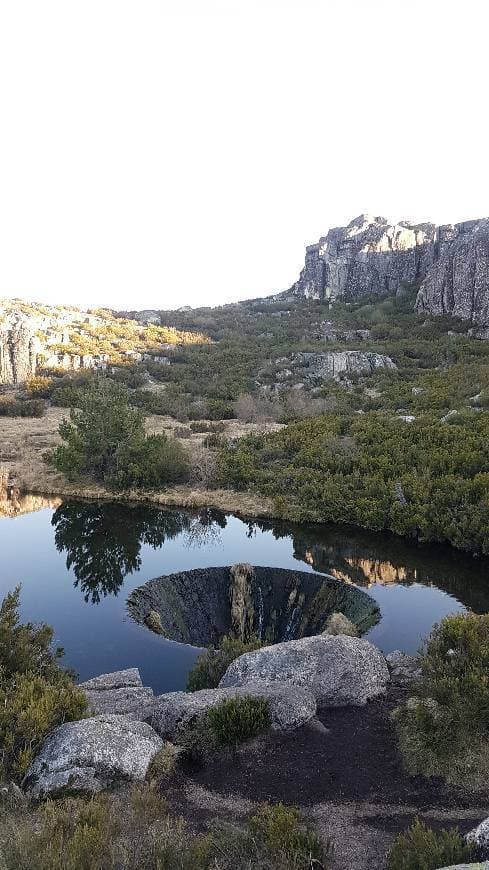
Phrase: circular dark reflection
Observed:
(199, 607)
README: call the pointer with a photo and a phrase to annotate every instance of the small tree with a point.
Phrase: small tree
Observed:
(105, 440)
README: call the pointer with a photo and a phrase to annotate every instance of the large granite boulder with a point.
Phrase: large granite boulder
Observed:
(119, 692)
(92, 754)
(338, 670)
(289, 706)
(404, 669)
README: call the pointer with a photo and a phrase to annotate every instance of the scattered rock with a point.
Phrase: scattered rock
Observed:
(92, 754)
(290, 706)
(338, 670)
(333, 364)
(119, 692)
(403, 668)
(338, 623)
(452, 413)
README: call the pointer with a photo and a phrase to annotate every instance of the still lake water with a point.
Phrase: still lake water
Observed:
(78, 562)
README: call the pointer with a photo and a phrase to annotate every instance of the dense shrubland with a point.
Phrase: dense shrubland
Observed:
(421, 848)
(443, 731)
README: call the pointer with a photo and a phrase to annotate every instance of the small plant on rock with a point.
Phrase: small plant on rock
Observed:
(238, 719)
(211, 666)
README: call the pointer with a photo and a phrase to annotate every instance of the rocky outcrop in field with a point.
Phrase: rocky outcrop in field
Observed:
(450, 264)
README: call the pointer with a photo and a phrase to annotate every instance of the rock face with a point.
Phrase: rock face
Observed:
(19, 347)
(119, 692)
(201, 606)
(450, 263)
(338, 670)
(403, 668)
(367, 256)
(93, 754)
(289, 706)
(332, 365)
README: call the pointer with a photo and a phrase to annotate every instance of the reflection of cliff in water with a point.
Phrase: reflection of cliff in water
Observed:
(103, 540)
(200, 606)
(14, 503)
(366, 558)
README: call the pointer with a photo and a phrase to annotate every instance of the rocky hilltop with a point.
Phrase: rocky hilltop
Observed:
(450, 264)
(36, 337)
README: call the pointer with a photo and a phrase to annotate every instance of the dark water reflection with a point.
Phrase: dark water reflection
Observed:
(79, 562)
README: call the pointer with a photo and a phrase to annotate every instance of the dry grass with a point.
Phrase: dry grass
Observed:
(23, 442)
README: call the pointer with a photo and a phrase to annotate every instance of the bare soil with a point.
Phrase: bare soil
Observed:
(345, 772)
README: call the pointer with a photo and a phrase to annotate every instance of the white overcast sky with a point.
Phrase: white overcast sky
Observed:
(157, 153)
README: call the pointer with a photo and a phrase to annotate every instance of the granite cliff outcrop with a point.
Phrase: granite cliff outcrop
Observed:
(449, 263)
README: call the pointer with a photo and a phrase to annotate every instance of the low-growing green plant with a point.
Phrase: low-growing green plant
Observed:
(212, 664)
(443, 730)
(280, 828)
(237, 719)
(125, 830)
(36, 694)
(421, 848)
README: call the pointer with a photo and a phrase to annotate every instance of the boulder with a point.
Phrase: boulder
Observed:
(403, 668)
(338, 670)
(92, 754)
(290, 706)
(480, 838)
(480, 866)
(118, 692)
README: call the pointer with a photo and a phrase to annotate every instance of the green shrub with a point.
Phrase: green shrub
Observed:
(21, 408)
(421, 848)
(105, 440)
(36, 694)
(212, 664)
(125, 830)
(443, 731)
(237, 719)
(280, 829)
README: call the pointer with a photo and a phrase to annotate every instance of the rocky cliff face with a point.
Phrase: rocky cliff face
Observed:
(19, 347)
(450, 263)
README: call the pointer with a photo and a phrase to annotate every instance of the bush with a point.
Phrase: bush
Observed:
(444, 730)
(105, 440)
(36, 694)
(127, 830)
(212, 664)
(420, 848)
(280, 829)
(237, 719)
(21, 408)
(40, 386)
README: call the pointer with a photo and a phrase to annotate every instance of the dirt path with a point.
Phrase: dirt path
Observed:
(344, 771)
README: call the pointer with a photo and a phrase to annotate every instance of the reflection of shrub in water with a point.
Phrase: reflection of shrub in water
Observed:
(103, 541)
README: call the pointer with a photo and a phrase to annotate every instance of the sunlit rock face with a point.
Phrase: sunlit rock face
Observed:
(199, 607)
(450, 264)
(368, 256)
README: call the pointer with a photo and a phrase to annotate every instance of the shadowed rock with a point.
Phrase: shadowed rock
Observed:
(118, 692)
(289, 706)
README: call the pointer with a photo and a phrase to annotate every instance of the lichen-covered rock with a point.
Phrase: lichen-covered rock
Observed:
(92, 754)
(403, 668)
(480, 838)
(119, 692)
(114, 680)
(289, 706)
(333, 364)
(338, 670)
